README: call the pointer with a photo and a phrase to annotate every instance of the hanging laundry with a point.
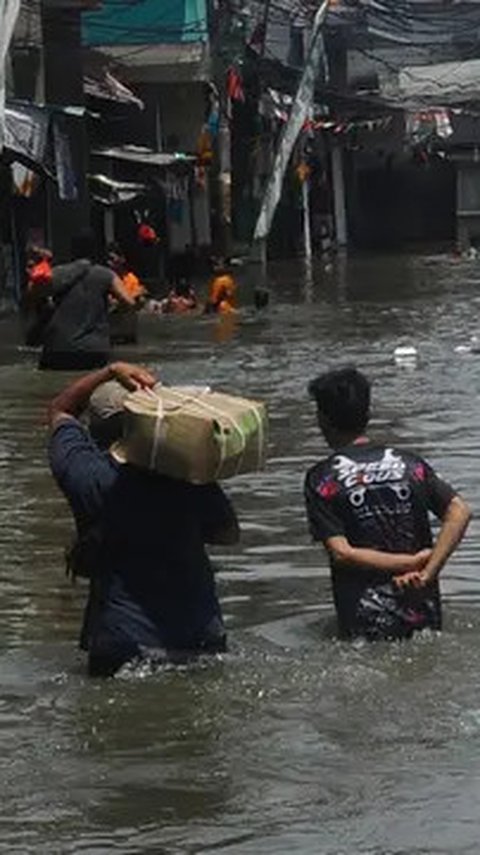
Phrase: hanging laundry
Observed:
(146, 234)
(204, 146)
(235, 85)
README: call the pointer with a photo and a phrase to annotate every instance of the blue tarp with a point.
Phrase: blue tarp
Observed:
(139, 22)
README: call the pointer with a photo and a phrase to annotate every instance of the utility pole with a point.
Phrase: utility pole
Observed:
(220, 21)
(302, 103)
(340, 213)
(63, 86)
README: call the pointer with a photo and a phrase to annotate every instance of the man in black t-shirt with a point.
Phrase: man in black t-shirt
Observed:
(369, 505)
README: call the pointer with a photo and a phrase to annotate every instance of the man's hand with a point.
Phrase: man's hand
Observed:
(414, 579)
(133, 377)
(416, 562)
(413, 575)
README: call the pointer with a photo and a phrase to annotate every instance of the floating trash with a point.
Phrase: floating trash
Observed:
(406, 355)
(472, 347)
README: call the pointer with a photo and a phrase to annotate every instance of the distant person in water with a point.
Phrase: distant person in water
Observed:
(77, 335)
(118, 263)
(181, 299)
(37, 301)
(222, 292)
(369, 505)
(124, 318)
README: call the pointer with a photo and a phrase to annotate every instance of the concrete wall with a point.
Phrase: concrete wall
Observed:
(392, 201)
(182, 109)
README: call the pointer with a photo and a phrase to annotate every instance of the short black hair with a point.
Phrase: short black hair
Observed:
(343, 397)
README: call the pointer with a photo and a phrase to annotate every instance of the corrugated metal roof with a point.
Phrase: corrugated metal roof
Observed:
(138, 154)
(442, 83)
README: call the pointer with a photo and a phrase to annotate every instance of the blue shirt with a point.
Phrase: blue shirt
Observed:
(154, 585)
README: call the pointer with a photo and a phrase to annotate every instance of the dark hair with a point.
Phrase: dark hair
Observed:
(182, 288)
(343, 397)
(84, 245)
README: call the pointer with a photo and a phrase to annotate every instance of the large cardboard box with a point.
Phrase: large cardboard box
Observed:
(194, 434)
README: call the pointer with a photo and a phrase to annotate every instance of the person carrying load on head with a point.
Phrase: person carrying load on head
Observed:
(369, 504)
(141, 535)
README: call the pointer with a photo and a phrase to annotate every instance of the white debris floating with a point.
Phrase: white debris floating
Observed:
(406, 355)
(472, 347)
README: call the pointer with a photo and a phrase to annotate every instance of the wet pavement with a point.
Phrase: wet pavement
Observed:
(293, 742)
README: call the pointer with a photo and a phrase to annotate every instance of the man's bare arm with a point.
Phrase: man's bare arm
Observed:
(73, 400)
(454, 525)
(342, 553)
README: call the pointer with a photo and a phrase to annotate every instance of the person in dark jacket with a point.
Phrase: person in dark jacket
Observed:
(77, 335)
(141, 535)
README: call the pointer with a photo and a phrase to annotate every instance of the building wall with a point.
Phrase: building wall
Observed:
(181, 113)
(393, 201)
(468, 200)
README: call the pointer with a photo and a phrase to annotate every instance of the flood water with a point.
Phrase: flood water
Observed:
(293, 742)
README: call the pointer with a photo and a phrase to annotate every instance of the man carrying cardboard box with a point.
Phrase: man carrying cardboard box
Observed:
(141, 535)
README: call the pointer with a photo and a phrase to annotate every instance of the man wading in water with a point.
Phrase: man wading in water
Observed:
(369, 504)
(77, 333)
(141, 535)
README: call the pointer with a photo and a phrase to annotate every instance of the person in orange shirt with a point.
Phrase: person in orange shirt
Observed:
(131, 282)
(124, 320)
(37, 301)
(39, 269)
(221, 297)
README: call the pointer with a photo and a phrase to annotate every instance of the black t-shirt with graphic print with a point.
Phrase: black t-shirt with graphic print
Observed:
(379, 498)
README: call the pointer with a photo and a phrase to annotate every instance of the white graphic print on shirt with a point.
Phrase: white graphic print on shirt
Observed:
(356, 476)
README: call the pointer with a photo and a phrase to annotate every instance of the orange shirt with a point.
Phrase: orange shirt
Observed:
(39, 274)
(222, 292)
(132, 285)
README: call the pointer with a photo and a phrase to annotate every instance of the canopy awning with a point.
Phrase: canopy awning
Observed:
(107, 191)
(138, 154)
(109, 88)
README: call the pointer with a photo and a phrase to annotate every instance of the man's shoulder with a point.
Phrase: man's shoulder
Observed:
(102, 271)
(70, 441)
(318, 470)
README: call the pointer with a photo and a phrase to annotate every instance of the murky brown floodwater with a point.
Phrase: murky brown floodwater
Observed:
(294, 743)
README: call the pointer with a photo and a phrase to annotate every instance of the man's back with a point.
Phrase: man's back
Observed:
(80, 321)
(154, 582)
(377, 497)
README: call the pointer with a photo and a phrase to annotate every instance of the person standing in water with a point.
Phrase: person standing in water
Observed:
(222, 292)
(77, 335)
(369, 505)
(141, 536)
